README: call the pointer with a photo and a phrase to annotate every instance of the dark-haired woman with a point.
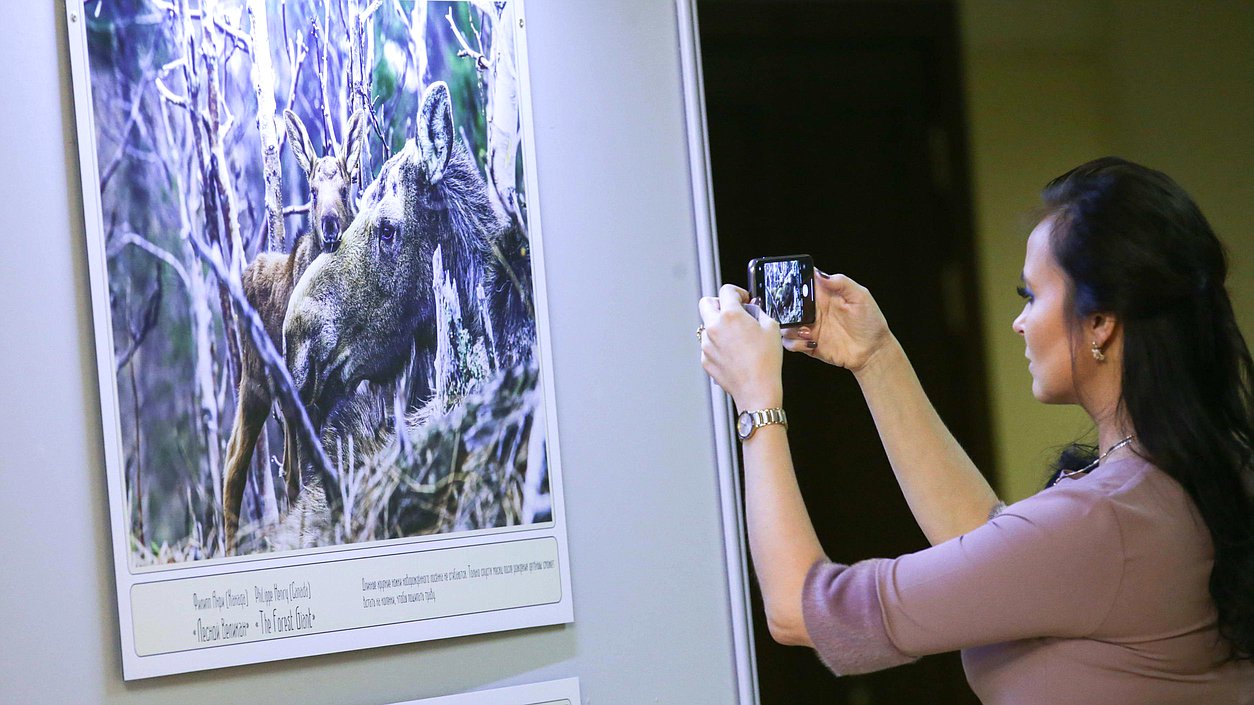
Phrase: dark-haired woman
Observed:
(1130, 577)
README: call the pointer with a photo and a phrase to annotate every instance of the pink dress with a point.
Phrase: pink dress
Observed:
(1092, 591)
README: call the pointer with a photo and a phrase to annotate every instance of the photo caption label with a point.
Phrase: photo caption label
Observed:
(213, 611)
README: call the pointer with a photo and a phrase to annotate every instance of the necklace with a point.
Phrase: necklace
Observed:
(1068, 474)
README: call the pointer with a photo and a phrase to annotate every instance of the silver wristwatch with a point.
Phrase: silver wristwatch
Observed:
(749, 421)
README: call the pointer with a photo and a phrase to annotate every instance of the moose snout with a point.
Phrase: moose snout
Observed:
(330, 232)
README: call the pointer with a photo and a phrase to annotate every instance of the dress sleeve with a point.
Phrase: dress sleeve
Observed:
(1049, 566)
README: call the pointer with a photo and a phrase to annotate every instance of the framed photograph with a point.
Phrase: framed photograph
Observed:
(320, 316)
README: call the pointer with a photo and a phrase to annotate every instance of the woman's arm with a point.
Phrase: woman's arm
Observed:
(1050, 566)
(744, 356)
(945, 491)
(781, 537)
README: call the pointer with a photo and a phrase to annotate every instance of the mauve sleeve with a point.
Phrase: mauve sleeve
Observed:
(1048, 566)
(844, 619)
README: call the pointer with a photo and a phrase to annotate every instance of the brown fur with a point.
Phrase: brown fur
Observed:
(268, 283)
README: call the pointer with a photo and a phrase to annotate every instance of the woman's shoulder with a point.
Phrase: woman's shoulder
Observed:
(1131, 495)
(1127, 479)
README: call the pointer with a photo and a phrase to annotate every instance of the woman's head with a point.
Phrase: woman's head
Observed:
(1134, 248)
(1141, 263)
(1054, 334)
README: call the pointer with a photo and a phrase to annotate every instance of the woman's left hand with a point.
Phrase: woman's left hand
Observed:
(741, 354)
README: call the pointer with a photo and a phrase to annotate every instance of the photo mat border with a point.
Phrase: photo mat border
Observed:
(127, 577)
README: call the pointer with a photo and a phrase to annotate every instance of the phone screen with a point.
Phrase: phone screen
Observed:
(785, 286)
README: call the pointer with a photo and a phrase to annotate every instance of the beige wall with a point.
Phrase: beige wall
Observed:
(1053, 83)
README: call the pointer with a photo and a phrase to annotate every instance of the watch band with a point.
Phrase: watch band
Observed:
(750, 421)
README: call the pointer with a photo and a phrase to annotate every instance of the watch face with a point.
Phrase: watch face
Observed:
(744, 425)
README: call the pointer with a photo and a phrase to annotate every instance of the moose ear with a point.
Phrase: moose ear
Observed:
(354, 144)
(435, 130)
(298, 138)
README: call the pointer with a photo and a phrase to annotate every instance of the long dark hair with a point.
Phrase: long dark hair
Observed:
(1134, 244)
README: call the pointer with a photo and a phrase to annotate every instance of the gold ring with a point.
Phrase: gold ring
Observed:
(700, 330)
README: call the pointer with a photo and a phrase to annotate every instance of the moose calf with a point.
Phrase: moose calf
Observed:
(268, 283)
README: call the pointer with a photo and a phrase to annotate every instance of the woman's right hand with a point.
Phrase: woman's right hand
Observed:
(848, 329)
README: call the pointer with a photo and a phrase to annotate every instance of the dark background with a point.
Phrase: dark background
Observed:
(837, 130)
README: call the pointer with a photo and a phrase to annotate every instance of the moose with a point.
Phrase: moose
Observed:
(268, 283)
(363, 312)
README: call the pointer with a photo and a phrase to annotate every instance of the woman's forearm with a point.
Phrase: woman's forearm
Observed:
(781, 537)
(944, 489)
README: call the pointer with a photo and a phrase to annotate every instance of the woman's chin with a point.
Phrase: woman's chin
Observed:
(1046, 396)
(1036, 392)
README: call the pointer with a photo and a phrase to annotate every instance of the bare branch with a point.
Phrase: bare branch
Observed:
(242, 40)
(478, 37)
(139, 332)
(287, 40)
(416, 50)
(297, 210)
(320, 68)
(171, 9)
(302, 54)
(378, 130)
(481, 61)
(485, 6)
(130, 238)
(170, 95)
(200, 317)
(230, 243)
(263, 86)
(131, 121)
(285, 386)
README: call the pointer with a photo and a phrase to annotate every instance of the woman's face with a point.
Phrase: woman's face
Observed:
(1043, 323)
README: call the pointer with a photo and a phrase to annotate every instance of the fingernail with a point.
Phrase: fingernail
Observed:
(812, 344)
(803, 332)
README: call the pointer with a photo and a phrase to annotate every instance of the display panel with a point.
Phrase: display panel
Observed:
(319, 305)
(783, 291)
(563, 692)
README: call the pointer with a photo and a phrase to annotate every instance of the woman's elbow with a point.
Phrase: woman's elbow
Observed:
(788, 630)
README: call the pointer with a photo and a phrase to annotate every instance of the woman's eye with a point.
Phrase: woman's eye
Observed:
(1024, 294)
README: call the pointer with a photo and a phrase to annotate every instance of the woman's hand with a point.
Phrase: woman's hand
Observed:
(741, 354)
(848, 329)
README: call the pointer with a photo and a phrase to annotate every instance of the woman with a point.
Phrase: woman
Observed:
(1130, 579)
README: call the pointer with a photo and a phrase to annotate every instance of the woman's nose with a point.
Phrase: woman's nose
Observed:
(1017, 324)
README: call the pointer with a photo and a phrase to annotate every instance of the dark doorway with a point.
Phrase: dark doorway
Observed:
(836, 130)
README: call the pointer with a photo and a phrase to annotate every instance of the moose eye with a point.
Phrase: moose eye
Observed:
(387, 231)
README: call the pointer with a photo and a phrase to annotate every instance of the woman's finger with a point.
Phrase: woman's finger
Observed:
(732, 297)
(708, 308)
(799, 333)
(837, 284)
(800, 346)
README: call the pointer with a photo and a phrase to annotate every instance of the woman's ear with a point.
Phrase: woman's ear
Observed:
(1102, 328)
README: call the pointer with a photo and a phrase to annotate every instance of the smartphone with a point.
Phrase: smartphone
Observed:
(785, 287)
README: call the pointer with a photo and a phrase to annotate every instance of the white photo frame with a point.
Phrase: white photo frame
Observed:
(192, 607)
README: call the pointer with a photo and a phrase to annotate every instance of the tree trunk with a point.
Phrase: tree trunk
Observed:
(263, 86)
(502, 113)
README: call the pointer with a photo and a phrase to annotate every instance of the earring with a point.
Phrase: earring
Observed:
(1097, 353)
